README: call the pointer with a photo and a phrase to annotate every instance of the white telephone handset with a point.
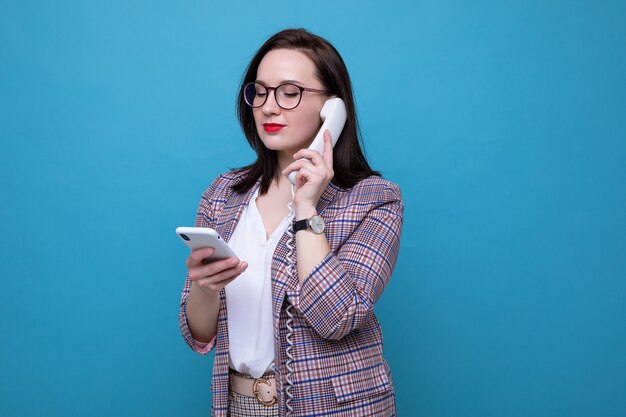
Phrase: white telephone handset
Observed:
(334, 116)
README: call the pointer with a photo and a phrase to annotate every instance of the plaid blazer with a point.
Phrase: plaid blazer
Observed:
(339, 368)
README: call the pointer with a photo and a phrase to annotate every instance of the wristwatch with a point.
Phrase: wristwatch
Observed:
(314, 224)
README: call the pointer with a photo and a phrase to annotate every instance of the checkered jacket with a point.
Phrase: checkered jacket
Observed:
(339, 369)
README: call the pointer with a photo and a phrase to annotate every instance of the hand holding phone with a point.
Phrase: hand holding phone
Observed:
(205, 237)
(212, 264)
(334, 115)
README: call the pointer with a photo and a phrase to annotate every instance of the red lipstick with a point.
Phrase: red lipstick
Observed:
(272, 127)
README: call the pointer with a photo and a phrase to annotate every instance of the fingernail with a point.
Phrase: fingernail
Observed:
(244, 265)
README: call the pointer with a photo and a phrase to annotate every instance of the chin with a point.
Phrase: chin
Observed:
(282, 142)
(275, 143)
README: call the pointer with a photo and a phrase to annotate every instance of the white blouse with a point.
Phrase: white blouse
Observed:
(249, 296)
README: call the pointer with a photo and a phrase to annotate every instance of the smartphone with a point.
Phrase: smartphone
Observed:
(205, 237)
(334, 115)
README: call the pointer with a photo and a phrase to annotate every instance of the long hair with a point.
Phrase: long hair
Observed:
(349, 162)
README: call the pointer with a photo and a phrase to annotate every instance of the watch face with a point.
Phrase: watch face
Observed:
(317, 224)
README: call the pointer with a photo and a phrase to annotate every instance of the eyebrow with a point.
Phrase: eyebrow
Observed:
(281, 82)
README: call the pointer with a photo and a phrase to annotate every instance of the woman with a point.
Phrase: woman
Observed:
(295, 331)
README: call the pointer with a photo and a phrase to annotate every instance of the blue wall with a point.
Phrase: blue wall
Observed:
(503, 122)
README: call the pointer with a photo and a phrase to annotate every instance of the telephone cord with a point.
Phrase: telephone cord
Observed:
(289, 351)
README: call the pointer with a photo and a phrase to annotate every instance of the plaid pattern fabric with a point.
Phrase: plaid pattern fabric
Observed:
(339, 369)
(244, 406)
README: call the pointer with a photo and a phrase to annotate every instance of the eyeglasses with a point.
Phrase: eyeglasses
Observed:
(287, 95)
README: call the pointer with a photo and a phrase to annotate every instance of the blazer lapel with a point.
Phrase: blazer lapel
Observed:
(231, 213)
(283, 281)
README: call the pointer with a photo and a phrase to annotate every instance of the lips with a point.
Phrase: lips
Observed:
(272, 127)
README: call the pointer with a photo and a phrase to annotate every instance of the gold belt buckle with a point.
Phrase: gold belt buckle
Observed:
(255, 391)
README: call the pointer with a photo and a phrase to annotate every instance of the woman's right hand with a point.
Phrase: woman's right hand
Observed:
(212, 276)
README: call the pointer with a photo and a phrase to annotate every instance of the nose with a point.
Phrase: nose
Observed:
(271, 107)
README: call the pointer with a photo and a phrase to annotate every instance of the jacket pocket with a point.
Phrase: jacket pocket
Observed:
(360, 383)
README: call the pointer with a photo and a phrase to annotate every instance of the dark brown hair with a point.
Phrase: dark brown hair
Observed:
(349, 163)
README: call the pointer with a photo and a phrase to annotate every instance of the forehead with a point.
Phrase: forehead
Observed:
(286, 64)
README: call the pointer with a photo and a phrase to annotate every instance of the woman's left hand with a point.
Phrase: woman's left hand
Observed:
(314, 173)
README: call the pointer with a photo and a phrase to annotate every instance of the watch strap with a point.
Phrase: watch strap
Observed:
(300, 225)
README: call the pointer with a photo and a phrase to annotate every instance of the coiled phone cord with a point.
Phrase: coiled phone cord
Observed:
(289, 351)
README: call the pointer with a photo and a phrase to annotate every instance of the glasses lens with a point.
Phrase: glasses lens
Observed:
(288, 96)
(255, 94)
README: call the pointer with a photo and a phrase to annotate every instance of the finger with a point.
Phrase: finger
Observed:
(308, 175)
(217, 286)
(213, 278)
(314, 156)
(218, 266)
(225, 275)
(212, 268)
(202, 253)
(197, 255)
(231, 272)
(321, 169)
(300, 179)
(328, 149)
(295, 166)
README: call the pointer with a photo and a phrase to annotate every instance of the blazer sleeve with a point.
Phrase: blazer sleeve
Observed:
(204, 218)
(339, 294)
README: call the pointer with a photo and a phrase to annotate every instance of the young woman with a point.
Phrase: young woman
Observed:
(292, 318)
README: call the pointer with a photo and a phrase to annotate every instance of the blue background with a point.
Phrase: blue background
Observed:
(503, 122)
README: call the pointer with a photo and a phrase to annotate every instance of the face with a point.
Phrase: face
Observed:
(299, 125)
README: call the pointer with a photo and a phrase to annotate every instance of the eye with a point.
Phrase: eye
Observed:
(289, 91)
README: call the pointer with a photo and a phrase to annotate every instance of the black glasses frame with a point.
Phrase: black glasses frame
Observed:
(302, 90)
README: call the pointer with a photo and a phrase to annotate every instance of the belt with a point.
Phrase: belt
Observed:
(263, 389)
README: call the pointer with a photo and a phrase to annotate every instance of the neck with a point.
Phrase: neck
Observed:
(280, 185)
(284, 159)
